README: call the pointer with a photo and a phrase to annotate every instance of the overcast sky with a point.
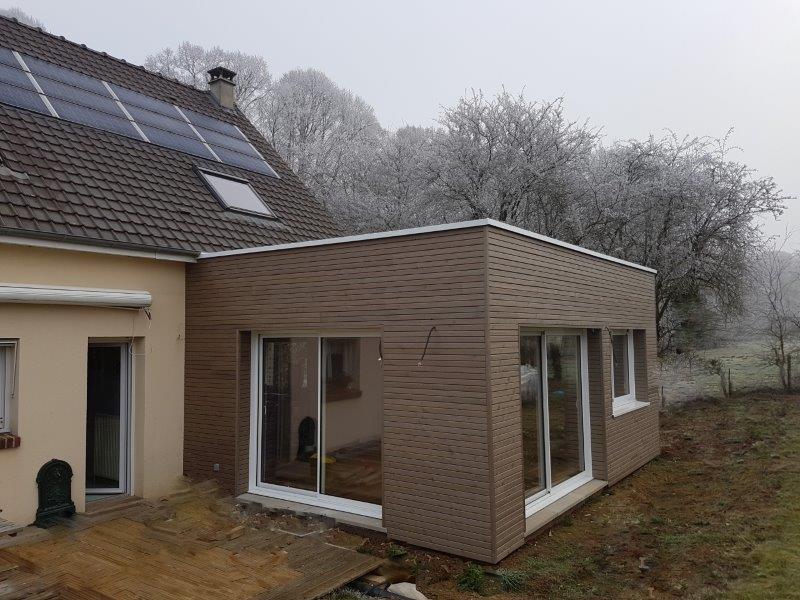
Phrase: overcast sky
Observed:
(633, 67)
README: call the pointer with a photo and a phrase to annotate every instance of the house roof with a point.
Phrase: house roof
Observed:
(423, 231)
(91, 186)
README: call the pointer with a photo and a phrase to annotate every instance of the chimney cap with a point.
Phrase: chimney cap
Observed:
(222, 73)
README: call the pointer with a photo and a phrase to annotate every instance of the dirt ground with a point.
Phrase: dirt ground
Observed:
(717, 515)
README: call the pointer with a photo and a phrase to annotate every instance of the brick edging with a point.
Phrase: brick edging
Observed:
(8, 440)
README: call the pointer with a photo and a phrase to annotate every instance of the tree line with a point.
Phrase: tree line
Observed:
(681, 205)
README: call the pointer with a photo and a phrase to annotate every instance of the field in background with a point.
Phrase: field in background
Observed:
(685, 377)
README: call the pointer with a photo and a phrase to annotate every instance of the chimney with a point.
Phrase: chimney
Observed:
(222, 86)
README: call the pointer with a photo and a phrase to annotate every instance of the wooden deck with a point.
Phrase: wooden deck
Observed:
(197, 548)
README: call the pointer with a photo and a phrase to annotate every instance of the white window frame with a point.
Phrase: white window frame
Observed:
(309, 497)
(8, 376)
(628, 402)
(551, 493)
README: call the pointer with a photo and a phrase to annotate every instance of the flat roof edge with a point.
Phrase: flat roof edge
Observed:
(423, 230)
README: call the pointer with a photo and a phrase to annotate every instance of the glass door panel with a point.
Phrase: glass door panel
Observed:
(106, 418)
(565, 410)
(352, 419)
(290, 395)
(531, 393)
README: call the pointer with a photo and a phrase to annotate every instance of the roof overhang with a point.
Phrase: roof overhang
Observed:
(426, 230)
(58, 242)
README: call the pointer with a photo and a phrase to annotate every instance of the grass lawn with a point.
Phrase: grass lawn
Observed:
(749, 364)
(717, 515)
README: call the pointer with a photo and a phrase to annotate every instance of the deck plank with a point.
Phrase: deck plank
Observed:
(193, 549)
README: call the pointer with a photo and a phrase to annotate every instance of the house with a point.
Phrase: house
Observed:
(456, 386)
(112, 180)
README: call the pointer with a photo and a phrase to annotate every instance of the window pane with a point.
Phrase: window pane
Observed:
(532, 420)
(289, 412)
(620, 348)
(352, 415)
(565, 414)
(103, 416)
(4, 353)
(237, 194)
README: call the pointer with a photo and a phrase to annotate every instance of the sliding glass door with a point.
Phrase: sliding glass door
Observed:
(554, 398)
(320, 421)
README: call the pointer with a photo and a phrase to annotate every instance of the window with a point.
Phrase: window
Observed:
(236, 194)
(623, 377)
(7, 376)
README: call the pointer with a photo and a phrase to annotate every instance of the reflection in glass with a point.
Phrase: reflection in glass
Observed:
(289, 412)
(565, 415)
(103, 417)
(532, 419)
(620, 353)
(352, 417)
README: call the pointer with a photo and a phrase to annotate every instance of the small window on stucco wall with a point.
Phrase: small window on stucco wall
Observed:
(8, 355)
(624, 359)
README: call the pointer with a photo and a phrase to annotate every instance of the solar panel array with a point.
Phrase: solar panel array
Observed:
(37, 85)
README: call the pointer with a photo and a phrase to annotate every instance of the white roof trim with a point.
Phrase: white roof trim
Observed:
(24, 293)
(423, 230)
(78, 247)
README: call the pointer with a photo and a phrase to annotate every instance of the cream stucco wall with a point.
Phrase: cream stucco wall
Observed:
(51, 383)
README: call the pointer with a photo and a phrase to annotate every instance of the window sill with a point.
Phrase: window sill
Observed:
(621, 408)
(9, 440)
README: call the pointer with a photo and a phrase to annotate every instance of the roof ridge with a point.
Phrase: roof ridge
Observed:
(102, 53)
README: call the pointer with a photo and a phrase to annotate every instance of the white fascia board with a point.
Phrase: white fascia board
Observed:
(78, 247)
(423, 230)
(16, 293)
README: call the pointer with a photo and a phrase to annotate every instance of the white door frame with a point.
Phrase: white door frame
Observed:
(311, 497)
(125, 395)
(552, 493)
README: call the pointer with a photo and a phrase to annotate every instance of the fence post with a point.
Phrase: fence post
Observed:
(730, 383)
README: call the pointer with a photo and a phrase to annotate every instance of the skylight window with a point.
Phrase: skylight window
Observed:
(236, 194)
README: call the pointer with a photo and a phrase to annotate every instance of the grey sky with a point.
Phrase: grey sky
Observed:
(633, 68)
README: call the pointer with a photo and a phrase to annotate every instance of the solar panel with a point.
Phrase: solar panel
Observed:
(7, 58)
(217, 139)
(10, 94)
(207, 122)
(79, 80)
(245, 162)
(62, 91)
(146, 117)
(93, 118)
(86, 100)
(176, 142)
(128, 97)
(15, 77)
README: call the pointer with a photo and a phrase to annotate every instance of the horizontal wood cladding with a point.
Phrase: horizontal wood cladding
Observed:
(533, 283)
(437, 482)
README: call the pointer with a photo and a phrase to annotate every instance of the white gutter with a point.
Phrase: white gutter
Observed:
(21, 293)
(78, 247)
(423, 230)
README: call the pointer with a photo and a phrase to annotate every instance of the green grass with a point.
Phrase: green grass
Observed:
(777, 560)
(471, 579)
(511, 580)
(395, 551)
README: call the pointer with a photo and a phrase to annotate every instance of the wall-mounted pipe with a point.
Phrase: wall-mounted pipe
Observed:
(18, 293)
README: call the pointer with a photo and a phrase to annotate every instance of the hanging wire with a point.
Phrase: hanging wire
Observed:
(149, 315)
(425, 351)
